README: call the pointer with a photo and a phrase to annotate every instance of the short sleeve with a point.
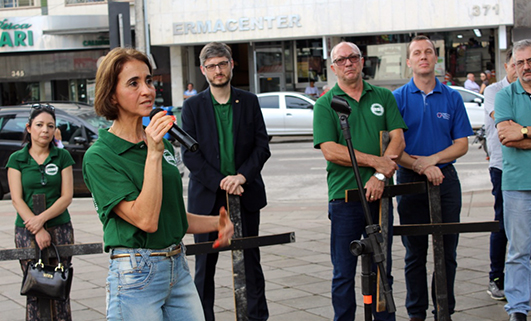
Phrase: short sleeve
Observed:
(108, 185)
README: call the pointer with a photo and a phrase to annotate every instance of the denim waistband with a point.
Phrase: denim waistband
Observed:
(171, 250)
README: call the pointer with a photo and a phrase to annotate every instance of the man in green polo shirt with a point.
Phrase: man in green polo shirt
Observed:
(233, 147)
(513, 117)
(374, 109)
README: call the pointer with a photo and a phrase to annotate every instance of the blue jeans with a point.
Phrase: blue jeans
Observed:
(498, 240)
(517, 209)
(348, 224)
(151, 287)
(414, 209)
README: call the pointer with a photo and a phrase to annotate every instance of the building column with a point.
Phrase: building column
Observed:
(176, 67)
(332, 79)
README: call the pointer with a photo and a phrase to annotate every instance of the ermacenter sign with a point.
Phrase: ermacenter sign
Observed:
(241, 24)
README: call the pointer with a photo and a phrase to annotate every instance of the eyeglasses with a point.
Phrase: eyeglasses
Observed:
(44, 181)
(342, 61)
(222, 65)
(521, 63)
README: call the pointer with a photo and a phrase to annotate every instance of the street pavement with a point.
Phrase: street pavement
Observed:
(298, 275)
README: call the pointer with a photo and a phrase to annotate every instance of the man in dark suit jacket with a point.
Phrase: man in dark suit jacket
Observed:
(233, 148)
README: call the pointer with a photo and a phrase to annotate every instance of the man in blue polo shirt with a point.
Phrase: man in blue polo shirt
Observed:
(513, 115)
(438, 128)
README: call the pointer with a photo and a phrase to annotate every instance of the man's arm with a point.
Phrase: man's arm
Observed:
(510, 135)
(374, 187)
(338, 154)
(426, 165)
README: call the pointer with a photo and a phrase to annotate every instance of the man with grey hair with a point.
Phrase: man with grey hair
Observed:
(471, 83)
(498, 240)
(373, 110)
(233, 147)
(512, 116)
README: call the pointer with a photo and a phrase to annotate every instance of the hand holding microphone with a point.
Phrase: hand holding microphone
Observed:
(179, 134)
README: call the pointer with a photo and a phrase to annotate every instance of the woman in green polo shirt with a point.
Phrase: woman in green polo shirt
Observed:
(41, 168)
(137, 190)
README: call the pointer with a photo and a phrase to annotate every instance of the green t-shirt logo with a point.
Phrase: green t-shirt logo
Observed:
(51, 169)
(169, 158)
(377, 109)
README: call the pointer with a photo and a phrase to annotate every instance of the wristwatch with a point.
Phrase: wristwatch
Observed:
(524, 131)
(379, 176)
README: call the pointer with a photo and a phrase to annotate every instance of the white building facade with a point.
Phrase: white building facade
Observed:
(277, 45)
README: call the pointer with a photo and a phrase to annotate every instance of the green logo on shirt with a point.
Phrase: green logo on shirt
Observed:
(377, 109)
(169, 158)
(51, 169)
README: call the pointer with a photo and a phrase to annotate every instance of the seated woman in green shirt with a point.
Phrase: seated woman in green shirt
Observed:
(41, 168)
(137, 190)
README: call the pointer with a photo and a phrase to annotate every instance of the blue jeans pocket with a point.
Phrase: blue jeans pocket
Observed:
(132, 277)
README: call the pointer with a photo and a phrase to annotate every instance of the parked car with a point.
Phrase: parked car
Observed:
(474, 106)
(79, 126)
(287, 113)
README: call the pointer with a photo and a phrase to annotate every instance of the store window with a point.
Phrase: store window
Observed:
(18, 3)
(310, 62)
(14, 93)
(459, 52)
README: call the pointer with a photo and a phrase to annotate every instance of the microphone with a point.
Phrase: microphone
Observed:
(340, 105)
(179, 134)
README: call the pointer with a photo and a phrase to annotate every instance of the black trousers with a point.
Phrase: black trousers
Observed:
(205, 267)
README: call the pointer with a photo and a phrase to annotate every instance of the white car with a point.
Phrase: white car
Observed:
(287, 113)
(474, 106)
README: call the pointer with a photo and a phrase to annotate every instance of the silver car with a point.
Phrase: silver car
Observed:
(287, 113)
(474, 106)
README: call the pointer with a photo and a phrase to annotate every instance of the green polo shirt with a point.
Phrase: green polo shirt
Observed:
(41, 179)
(113, 170)
(514, 103)
(376, 111)
(223, 113)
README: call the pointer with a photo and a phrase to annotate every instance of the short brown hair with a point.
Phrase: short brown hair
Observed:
(107, 78)
(214, 50)
(420, 38)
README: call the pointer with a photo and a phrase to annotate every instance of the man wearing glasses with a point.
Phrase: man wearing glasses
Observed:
(373, 110)
(233, 147)
(438, 127)
(513, 115)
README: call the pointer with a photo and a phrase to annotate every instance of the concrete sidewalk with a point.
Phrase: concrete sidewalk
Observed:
(298, 275)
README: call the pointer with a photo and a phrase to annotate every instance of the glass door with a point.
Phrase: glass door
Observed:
(270, 69)
(271, 82)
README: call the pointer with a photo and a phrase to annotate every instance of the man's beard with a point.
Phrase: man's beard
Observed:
(222, 84)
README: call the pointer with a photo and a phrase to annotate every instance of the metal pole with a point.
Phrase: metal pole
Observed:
(140, 35)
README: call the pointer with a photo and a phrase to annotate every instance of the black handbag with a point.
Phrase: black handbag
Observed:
(47, 281)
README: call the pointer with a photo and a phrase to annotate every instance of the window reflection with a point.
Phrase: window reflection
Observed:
(310, 62)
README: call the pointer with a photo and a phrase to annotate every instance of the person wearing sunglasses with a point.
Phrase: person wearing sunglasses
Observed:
(132, 174)
(233, 147)
(42, 168)
(373, 110)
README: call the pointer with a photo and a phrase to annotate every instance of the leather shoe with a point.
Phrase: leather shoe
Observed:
(416, 319)
(518, 317)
